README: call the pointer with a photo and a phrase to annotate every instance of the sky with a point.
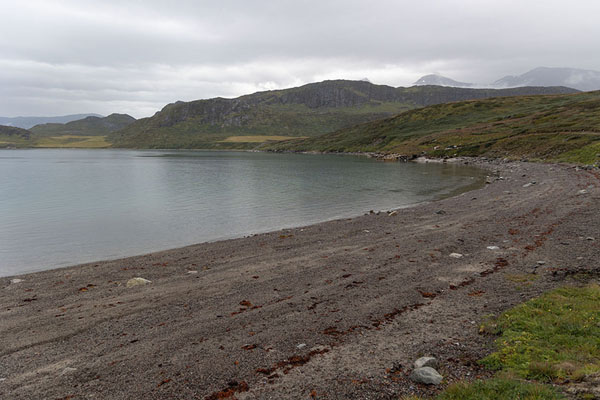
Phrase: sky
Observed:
(82, 56)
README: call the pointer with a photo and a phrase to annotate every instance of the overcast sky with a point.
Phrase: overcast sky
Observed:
(104, 56)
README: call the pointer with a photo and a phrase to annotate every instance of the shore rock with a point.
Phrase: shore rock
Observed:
(137, 282)
(426, 375)
(426, 362)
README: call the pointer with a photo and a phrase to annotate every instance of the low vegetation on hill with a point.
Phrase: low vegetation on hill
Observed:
(556, 128)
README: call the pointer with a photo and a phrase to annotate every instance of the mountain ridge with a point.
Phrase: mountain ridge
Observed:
(308, 110)
(580, 79)
(30, 121)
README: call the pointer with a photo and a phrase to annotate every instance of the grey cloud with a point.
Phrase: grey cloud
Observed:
(61, 56)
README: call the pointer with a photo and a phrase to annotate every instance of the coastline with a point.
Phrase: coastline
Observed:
(360, 294)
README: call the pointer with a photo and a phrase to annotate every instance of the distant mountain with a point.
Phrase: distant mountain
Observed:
(29, 122)
(89, 126)
(439, 80)
(305, 111)
(579, 79)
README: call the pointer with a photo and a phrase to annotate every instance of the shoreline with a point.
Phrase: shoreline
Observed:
(478, 181)
(340, 307)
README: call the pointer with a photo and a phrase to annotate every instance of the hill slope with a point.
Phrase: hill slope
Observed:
(561, 127)
(29, 122)
(89, 126)
(309, 110)
(13, 137)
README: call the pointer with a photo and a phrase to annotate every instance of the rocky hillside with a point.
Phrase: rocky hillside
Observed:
(13, 137)
(89, 126)
(305, 111)
(559, 128)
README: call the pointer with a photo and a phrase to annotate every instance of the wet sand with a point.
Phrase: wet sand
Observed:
(330, 311)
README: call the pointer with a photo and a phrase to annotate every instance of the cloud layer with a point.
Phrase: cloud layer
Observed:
(61, 57)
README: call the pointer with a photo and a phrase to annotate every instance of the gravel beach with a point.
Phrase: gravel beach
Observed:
(337, 310)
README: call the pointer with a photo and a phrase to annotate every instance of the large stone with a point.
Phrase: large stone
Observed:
(426, 375)
(426, 362)
(137, 282)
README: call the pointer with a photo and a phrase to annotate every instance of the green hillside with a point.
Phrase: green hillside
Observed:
(558, 127)
(90, 126)
(14, 137)
(305, 111)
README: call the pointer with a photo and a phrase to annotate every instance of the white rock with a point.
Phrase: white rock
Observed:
(493, 248)
(301, 345)
(589, 238)
(426, 362)
(16, 280)
(137, 282)
(582, 191)
(527, 185)
(426, 375)
(393, 213)
(456, 255)
(192, 272)
(541, 262)
(68, 370)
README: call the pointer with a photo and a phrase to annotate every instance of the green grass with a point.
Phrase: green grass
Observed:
(499, 389)
(72, 141)
(553, 337)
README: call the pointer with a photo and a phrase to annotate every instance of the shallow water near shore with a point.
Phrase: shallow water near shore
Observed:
(64, 207)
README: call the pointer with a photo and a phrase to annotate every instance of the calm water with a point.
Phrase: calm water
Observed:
(62, 207)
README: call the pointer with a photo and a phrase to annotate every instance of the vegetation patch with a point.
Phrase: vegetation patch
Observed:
(73, 141)
(551, 338)
(256, 139)
(499, 389)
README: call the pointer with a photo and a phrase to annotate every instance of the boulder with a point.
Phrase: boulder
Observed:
(426, 362)
(137, 282)
(426, 375)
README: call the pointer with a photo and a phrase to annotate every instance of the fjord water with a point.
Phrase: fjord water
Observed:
(63, 207)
